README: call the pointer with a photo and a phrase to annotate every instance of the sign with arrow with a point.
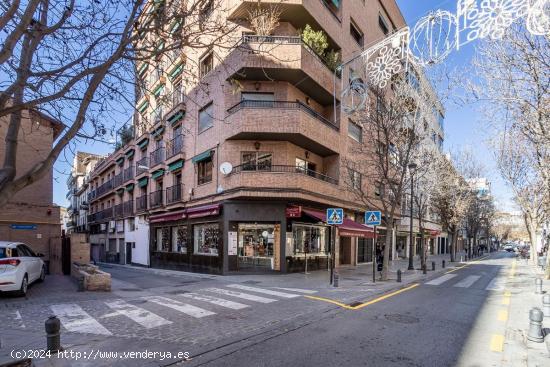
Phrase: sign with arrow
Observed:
(335, 216)
(373, 218)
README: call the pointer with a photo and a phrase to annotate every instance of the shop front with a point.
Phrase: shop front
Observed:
(257, 246)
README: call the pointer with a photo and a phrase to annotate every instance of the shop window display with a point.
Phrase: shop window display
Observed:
(310, 239)
(163, 239)
(206, 239)
(179, 239)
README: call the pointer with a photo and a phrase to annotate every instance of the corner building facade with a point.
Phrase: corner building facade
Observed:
(223, 179)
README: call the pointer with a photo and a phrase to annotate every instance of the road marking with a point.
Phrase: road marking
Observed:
(468, 281)
(264, 291)
(215, 300)
(246, 296)
(468, 264)
(143, 317)
(297, 290)
(179, 306)
(75, 319)
(502, 315)
(497, 284)
(359, 306)
(20, 319)
(441, 279)
(497, 342)
(513, 270)
(505, 300)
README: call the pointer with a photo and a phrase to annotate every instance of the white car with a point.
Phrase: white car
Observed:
(19, 267)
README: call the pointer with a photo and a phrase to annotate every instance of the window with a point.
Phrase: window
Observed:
(355, 131)
(355, 179)
(206, 64)
(177, 94)
(383, 25)
(179, 239)
(163, 239)
(310, 239)
(378, 189)
(206, 239)
(204, 169)
(256, 161)
(356, 33)
(206, 10)
(131, 224)
(206, 117)
(394, 154)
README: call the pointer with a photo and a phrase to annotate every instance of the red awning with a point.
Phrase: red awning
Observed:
(167, 217)
(347, 229)
(203, 211)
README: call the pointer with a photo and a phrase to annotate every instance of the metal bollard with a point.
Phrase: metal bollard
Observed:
(433, 265)
(443, 264)
(424, 269)
(53, 339)
(546, 305)
(538, 286)
(399, 275)
(80, 284)
(336, 277)
(535, 326)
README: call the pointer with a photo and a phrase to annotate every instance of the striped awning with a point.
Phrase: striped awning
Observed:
(158, 173)
(203, 156)
(175, 165)
(130, 187)
(177, 117)
(142, 107)
(129, 153)
(142, 182)
(120, 161)
(143, 144)
(176, 71)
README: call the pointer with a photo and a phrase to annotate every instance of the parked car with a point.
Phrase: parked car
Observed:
(19, 267)
(508, 248)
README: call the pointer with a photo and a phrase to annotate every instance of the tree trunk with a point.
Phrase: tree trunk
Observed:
(388, 243)
(453, 247)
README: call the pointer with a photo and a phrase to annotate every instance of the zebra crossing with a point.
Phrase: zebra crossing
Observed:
(497, 283)
(195, 305)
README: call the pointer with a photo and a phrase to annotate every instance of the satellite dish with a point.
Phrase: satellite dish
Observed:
(226, 168)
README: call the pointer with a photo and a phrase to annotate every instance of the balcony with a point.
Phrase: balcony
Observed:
(129, 173)
(174, 147)
(156, 199)
(158, 156)
(141, 203)
(119, 211)
(128, 208)
(92, 195)
(105, 188)
(142, 166)
(285, 169)
(174, 194)
(118, 180)
(287, 121)
(285, 58)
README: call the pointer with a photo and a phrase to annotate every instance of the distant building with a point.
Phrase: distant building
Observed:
(481, 185)
(30, 215)
(64, 218)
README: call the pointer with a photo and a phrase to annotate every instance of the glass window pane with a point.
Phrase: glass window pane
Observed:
(206, 118)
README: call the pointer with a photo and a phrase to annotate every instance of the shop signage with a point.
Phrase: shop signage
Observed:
(294, 212)
(232, 243)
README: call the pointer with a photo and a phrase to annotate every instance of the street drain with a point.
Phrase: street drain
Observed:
(403, 319)
(177, 292)
(354, 304)
(130, 289)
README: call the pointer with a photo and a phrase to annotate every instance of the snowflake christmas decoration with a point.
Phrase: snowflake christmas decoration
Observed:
(538, 20)
(385, 65)
(493, 17)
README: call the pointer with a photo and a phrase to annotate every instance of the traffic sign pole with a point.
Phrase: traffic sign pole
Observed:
(374, 267)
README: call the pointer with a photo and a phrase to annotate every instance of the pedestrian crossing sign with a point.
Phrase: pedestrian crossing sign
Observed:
(335, 216)
(373, 218)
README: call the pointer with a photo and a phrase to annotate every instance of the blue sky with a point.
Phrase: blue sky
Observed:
(463, 128)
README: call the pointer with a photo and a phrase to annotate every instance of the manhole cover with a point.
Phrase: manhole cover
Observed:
(403, 319)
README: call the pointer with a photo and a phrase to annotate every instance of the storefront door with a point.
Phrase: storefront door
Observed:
(364, 250)
(257, 246)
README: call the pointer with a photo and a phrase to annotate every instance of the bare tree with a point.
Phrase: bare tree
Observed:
(76, 61)
(264, 19)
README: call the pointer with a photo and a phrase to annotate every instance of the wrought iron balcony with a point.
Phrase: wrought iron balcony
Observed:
(119, 210)
(156, 199)
(284, 169)
(158, 156)
(142, 165)
(128, 208)
(141, 203)
(174, 194)
(129, 173)
(175, 146)
(118, 180)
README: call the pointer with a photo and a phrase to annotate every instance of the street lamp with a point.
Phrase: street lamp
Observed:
(412, 168)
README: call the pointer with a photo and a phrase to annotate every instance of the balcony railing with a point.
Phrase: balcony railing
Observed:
(156, 199)
(119, 210)
(174, 146)
(283, 105)
(158, 156)
(174, 194)
(92, 195)
(128, 207)
(142, 165)
(284, 169)
(118, 180)
(141, 203)
(104, 188)
(129, 173)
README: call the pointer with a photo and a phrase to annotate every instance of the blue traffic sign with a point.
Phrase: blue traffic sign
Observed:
(373, 218)
(335, 216)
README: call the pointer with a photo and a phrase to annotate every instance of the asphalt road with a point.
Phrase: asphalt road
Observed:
(446, 323)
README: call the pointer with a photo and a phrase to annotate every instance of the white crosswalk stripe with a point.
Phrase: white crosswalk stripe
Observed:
(179, 306)
(143, 317)
(215, 300)
(468, 281)
(297, 290)
(264, 291)
(76, 320)
(497, 284)
(441, 279)
(246, 296)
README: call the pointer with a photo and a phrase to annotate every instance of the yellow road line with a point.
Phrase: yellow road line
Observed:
(505, 300)
(513, 270)
(497, 342)
(502, 315)
(468, 264)
(365, 304)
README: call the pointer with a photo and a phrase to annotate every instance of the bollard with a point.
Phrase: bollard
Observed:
(538, 286)
(424, 270)
(399, 275)
(80, 281)
(53, 325)
(461, 258)
(433, 265)
(546, 305)
(535, 326)
(443, 264)
(335, 282)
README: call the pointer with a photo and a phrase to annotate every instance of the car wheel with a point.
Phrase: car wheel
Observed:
(24, 285)
(42, 275)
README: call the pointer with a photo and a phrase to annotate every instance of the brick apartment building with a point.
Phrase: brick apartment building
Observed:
(217, 181)
(30, 215)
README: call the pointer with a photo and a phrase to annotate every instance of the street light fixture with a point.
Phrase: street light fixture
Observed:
(412, 168)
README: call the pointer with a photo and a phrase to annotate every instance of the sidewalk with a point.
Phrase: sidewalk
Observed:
(518, 351)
